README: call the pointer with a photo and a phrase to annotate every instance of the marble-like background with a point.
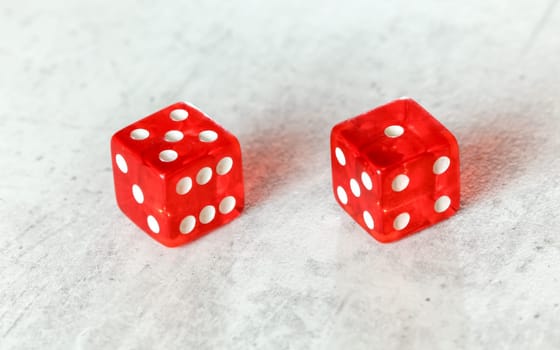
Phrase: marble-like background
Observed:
(293, 272)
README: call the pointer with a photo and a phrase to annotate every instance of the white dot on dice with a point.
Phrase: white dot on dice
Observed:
(226, 205)
(355, 187)
(224, 166)
(208, 136)
(400, 183)
(121, 163)
(340, 156)
(401, 221)
(153, 224)
(366, 181)
(137, 194)
(179, 115)
(368, 220)
(441, 165)
(184, 185)
(173, 136)
(168, 156)
(394, 131)
(187, 224)
(342, 196)
(442, 204)
(207, 214)
(139, 134)
(204, 176)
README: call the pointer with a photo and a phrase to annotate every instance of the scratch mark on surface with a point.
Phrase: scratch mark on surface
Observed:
(539, 26)
(341, 305)
(33, 225)
(16, 321)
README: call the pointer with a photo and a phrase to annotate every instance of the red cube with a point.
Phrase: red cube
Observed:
(178, 174)
(395, 170)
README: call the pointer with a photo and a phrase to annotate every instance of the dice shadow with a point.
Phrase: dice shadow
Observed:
(273, 157)
(493, 154)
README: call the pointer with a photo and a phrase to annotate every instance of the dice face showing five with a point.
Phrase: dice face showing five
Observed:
(177, 174)
(395, 170)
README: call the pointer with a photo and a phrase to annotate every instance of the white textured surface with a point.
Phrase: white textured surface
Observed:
(293, 271)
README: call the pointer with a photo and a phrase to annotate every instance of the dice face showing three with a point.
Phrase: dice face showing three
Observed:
(177, 174)
(395, 170)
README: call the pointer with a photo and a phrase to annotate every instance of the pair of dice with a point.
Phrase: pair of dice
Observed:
(178, 175)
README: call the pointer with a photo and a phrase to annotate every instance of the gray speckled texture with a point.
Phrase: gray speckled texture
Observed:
(293, 272)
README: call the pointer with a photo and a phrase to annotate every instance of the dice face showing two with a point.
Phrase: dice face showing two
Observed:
(395, 170)
(177, 174)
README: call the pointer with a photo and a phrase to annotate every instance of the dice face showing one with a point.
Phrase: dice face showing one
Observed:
(395, 170)
(177, 174)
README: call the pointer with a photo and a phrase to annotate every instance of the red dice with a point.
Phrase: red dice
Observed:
(395, 170)
(177, 174)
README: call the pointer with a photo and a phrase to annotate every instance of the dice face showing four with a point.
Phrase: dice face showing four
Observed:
(177, 174)
(395, 170)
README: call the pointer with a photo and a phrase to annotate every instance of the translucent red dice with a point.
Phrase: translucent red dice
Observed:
(395, 170)
(177, 174)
